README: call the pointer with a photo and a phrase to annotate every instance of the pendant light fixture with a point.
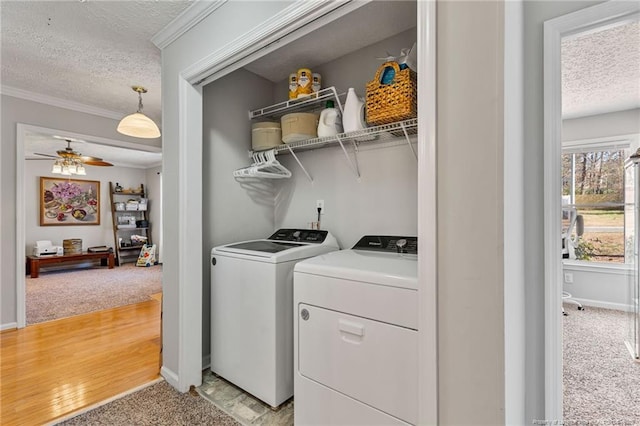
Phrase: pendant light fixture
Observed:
(137, 124)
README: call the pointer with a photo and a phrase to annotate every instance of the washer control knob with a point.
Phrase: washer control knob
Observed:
(304, 314)
(400, 245)
(213, 261)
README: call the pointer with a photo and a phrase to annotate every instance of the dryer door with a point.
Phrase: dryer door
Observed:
(370, 361)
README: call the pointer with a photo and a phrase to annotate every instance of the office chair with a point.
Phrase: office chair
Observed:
(569, 244)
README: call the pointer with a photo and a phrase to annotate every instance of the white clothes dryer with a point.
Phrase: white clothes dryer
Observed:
(252, 309)
(355, 335)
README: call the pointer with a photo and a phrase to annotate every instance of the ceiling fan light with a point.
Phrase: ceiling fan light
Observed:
(138, 125)
(57, 168)
(65, 170)
(80, 170)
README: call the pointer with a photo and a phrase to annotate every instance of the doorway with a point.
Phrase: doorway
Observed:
(556, 30)
(32, 140)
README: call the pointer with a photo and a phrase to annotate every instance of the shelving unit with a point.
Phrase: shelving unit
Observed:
(126, 251)
(392, 132)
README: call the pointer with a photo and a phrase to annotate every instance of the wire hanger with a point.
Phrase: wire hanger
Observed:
(264, 165)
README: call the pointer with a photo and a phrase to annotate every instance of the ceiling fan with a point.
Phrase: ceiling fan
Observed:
(70, 162)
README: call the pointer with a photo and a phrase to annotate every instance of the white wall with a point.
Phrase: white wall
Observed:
(91, 235)
(15, 111)
(470, 114)
(535, 13)
(604, 286)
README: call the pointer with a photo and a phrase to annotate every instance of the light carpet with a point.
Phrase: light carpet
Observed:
(601, 379)
(158, 404)
(61, 294)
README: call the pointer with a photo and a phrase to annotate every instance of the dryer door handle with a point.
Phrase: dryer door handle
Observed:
(351, 327)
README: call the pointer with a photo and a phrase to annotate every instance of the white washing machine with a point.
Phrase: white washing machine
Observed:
(252, 309)
(355, 335)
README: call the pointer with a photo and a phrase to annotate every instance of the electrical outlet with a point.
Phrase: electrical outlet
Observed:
(568, 277)
(320, 205)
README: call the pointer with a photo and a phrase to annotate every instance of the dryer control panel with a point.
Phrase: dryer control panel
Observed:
(299, 235)
(388, 243)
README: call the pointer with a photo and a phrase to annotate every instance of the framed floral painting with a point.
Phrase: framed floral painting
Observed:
(69, 202)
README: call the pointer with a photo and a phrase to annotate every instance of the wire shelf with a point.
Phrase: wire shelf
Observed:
(311, 102)
(383, 133)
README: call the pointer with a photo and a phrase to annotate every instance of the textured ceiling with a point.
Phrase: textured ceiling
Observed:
(601, 71)
(90, 51)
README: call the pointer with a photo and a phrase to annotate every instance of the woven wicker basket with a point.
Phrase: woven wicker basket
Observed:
(396, 101)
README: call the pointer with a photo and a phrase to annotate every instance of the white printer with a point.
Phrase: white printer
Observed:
(45, 248)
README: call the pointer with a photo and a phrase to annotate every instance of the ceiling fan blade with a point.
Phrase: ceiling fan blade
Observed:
(85, 158)
(97, 163)
(45, 155)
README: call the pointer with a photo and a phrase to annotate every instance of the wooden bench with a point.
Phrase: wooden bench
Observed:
(34, 262)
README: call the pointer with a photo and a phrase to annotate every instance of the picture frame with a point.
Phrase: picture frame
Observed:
(69, 202)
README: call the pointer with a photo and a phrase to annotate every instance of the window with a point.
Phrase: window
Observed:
(593, 191)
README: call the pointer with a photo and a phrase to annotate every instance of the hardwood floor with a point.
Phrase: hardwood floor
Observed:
(52, 369)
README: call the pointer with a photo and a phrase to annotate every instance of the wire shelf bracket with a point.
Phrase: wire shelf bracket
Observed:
(300, 164)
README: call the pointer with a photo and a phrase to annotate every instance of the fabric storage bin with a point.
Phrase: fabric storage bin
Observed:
(299, 126)
(265, 135)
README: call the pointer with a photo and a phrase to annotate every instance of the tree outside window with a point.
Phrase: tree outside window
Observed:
(593, 183)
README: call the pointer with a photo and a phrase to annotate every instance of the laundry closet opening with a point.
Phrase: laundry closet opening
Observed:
(382, 200)
(367, 188)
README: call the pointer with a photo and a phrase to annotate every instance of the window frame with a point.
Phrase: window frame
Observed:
(628, 143)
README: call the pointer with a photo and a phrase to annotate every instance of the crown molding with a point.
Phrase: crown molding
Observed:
(191, 16)
(60, 103)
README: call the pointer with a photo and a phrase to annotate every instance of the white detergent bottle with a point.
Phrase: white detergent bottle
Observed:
(353, 119)
(330, 123)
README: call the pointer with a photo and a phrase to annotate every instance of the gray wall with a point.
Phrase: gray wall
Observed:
(384, 199)
(535, 13)
(15, 111)
(231, 210)
(228, 22)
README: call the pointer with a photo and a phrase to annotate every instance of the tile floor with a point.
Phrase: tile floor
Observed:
(243, 407)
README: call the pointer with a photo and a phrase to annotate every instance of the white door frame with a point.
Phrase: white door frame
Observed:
(554, 30)
(300, 18)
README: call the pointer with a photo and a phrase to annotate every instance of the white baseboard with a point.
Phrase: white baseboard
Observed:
(171, 378)
(8, 326)
(206, 362)
(606, 305)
